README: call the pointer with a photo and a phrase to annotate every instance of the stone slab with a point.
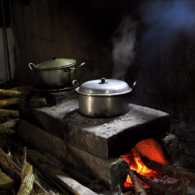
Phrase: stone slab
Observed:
(109, 172)
(103, 137)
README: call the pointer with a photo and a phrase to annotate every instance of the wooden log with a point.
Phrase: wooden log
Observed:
(9, 166)
(6, 131)
(27, 178)
(9, 102)
(22, 88)
(162, 190)
(139, 190)
(15, 171)
(56, 174)
(5, 181)
(9, 113)
(9, 93)
(9, 124)
(168, 169)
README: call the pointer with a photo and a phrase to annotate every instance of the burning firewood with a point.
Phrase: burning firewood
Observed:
(168, 169)
(162, 190)
(9, 102)
(9, 113)
(9, 93)
(27, 178)
(139, 190)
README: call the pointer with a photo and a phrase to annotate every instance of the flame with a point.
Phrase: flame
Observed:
(137, 165)
(151, 147)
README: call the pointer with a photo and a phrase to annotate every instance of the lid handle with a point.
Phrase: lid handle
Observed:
(103, 80)
(53, 57)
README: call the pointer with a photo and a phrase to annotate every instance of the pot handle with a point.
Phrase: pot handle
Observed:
(78, 66)
(133, 85)
(31, 66)
(75, 84)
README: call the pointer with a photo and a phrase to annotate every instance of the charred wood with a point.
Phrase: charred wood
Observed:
(162, 190)
(139, 190)
(168, 169)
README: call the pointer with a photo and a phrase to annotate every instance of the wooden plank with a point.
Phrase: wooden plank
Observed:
(54, 172)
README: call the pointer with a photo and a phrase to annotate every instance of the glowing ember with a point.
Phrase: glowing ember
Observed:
(137, 165)
(148, 146)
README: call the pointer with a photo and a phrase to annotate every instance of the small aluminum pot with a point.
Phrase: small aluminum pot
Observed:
(56, 72)
(103, 98)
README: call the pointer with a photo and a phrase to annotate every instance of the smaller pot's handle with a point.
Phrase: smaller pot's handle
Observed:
(75, 84)
(31, 66)
(82, 64)
(133, 85)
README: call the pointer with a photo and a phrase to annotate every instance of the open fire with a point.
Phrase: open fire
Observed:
(136, 164)
(151, 149)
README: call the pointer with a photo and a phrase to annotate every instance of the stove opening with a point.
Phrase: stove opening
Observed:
(152, 150)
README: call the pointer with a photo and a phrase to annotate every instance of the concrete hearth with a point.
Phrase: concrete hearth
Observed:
(90, 145)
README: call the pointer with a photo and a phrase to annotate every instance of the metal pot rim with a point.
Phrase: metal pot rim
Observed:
(103, 87)
(53, 64)
(102, 95)
(56, 68)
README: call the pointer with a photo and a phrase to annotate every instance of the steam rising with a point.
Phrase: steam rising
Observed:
(163, 22)
(124, 41)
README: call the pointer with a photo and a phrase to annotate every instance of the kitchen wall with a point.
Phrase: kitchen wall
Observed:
(62, 28)
(163, 63)
(4, 74)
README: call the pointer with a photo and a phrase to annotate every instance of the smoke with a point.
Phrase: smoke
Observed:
(124, 40)
(164, 21)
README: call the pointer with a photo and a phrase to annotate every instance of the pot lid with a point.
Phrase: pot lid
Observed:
(104, 87)
(55, 63)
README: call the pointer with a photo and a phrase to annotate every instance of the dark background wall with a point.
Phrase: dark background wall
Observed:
(163, 65)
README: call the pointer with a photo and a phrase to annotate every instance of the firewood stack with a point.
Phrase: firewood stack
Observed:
(9, 114)
(17, 176)
(11, 174)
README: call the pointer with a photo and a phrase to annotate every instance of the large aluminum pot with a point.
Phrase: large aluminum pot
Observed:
(103, 98)
(56, 72)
